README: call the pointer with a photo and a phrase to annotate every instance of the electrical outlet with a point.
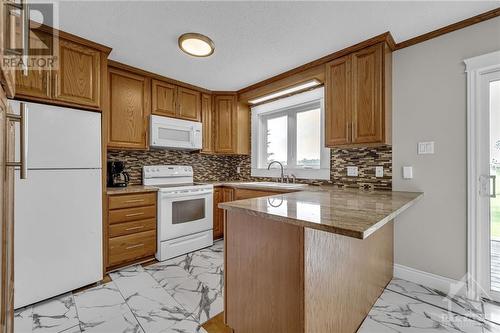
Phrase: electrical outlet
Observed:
(379, 171)
(352, 171)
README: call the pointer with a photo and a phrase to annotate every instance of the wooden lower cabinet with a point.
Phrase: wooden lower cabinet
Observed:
(221, 194)
(127, 249)
(226, 194)
(243, 193)
(131, 229)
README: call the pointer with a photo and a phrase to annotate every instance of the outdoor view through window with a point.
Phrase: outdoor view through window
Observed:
(307, 137)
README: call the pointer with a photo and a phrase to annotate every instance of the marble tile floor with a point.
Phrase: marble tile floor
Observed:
(180, 294)
(176, 295)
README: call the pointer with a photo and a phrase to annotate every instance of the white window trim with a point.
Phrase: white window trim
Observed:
(258, 133)
(477, 249)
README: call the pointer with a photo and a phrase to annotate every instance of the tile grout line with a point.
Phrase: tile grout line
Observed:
(436, 306)
(126, 303)
(176, 301)
(76, 310)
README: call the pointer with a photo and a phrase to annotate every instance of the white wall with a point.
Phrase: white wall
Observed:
(429, 104)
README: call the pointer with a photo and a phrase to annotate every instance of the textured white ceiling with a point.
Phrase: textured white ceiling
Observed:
(254, 40)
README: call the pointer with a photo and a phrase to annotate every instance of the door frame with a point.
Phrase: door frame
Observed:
(477, 251)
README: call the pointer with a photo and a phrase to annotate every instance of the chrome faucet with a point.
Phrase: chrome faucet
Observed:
(282, 179)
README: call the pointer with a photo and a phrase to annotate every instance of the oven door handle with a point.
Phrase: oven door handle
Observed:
(182, 194)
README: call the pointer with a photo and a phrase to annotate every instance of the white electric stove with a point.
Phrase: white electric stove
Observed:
(185, 210)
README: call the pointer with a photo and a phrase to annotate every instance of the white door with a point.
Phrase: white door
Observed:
(62, 138)
(488, 198)
(58, 233)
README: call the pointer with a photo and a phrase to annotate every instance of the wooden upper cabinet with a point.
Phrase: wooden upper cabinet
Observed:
(38, 83)
(188, 104)
(207, 120)
(232, 125)
(173, 101)
(225, 123)
(338, 99)
(367, 110)
(358, 98)
(78, 78)
(163, 98)
(8, 41)
(129, 109)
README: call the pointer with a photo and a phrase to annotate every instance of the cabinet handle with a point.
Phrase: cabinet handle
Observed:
(134, 214)
(22, 119)
(134, 246)
(135, 200)
(134, 228)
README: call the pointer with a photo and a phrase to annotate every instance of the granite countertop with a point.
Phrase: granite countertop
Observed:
(353, 213)
(130, 189)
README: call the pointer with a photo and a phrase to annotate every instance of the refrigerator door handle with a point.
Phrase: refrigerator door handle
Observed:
(22, 119)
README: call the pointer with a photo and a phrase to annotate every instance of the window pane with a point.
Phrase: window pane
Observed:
(309, 139)
(277, 139)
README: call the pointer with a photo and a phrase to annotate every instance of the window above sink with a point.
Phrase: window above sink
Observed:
(291, 131)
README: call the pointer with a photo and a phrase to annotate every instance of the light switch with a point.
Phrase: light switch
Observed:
(352, 171)
(238, 169)
(407, 172)
(379, 171)
(426, 147)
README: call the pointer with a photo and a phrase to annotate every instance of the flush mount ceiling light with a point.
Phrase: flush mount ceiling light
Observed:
(300, 87)
(196, 45)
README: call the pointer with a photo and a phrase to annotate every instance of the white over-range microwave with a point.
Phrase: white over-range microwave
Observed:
(175, 133)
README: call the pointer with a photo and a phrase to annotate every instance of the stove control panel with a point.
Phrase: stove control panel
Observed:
(167, 171)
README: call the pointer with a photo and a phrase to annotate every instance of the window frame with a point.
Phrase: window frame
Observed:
(289, 106)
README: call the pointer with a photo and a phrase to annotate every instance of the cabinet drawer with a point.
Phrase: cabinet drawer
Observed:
(240, 194)
(132, 214)
(131, 247)
(127, 228)
(132, 200)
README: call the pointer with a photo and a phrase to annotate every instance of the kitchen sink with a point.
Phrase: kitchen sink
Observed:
(270, 185)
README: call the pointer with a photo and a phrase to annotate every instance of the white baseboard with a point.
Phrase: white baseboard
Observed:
(441, 283)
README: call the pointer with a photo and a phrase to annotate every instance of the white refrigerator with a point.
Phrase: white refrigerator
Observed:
(58, 208)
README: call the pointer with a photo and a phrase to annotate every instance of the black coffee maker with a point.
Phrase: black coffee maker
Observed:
(116, 176)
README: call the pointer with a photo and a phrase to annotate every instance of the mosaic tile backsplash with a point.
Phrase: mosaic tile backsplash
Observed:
(223, 168)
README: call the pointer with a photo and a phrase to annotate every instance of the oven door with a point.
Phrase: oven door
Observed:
(184, 213)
